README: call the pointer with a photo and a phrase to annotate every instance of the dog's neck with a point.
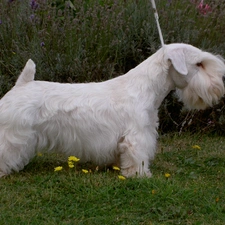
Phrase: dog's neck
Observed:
(152, 77)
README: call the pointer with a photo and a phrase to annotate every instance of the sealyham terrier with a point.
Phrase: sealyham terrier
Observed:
(111, 122)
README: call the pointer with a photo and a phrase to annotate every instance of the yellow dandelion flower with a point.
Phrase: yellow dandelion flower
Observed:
(58, 168)
(121, 177)
(39, 154)
(84, 171)
(73, 158)
(153, 191)
(70, 164)
(167, 175)
(196, 147)
(116, 168)
(217, 199)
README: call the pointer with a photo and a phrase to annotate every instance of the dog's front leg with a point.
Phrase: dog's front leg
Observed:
(135, 154)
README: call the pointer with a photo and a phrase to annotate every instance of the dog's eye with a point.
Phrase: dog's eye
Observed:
(199, 65)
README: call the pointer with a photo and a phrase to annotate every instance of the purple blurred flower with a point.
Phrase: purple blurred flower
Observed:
(42, 44)
(33, 4)
(32, 16)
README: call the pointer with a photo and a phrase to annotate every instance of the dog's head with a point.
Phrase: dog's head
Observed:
(197, 75)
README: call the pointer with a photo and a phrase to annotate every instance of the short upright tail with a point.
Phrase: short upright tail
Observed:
(27, 74)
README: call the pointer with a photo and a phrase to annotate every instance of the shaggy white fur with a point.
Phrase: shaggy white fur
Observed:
(112, 122)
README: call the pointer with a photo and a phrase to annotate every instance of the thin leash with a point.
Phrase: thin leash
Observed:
(157, 22)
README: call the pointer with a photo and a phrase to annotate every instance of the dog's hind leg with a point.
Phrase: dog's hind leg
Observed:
(17, 147)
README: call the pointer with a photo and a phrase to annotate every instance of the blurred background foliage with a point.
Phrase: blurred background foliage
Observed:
(95, 40)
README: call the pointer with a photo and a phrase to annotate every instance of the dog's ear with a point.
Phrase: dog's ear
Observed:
(177, 58)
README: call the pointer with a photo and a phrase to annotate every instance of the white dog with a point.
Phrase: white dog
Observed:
(112, 122)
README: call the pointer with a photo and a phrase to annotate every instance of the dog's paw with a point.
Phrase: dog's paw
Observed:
(2, 174)
(133, 172)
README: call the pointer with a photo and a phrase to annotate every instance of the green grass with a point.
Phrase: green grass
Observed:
(193, 194)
